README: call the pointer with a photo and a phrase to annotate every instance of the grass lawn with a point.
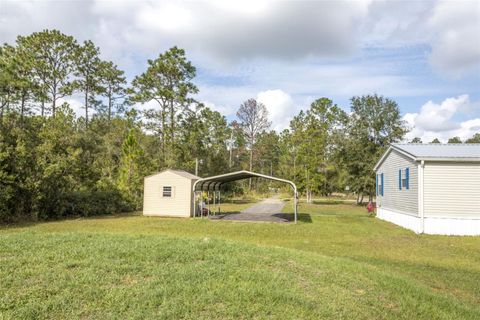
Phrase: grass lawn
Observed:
(336, 263)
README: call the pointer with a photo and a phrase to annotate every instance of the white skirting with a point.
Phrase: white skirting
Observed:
(404, 220)
(445, 226)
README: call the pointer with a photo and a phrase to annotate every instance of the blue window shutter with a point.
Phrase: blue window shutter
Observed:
(407, 174)
(400, 179)
(376, 183)
(382, 184)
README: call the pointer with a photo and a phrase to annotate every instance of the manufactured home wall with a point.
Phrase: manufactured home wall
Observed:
(452, 190)
(403, 201)
(179, 205)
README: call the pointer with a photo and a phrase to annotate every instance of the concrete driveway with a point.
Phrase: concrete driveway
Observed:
(269, 210)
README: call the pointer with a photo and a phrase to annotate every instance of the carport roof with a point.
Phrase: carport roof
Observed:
(215, 182)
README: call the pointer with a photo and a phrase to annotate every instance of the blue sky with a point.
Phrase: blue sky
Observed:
(423, 54)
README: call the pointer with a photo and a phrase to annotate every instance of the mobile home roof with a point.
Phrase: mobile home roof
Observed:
(435, 152)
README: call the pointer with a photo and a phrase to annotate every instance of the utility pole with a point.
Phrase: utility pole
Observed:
(198, 162)
(230, 144)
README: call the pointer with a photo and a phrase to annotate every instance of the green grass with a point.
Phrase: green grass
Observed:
(336, 263)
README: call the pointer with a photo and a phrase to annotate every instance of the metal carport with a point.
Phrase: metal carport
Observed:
(214, 183)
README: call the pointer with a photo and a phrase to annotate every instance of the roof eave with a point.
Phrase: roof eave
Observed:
(458, 159)
(399, 150)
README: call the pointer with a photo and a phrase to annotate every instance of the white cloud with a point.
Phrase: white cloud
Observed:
(239, 30)
(280, 106)
(227, 30)
(439, 120)
(222, 109)
(434, 117)
(306, 48)
(455, 26)
(76, 105)
(165, 17)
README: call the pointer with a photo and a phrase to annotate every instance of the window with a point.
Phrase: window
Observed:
(403, 178)
(380, 184)
(406, 182)
(167, 192)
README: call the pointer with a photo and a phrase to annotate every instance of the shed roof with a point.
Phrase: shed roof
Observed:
(435, 152)
(185, 174)
(181, 173)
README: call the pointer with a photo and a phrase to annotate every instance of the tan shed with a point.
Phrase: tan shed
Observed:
(169, 194)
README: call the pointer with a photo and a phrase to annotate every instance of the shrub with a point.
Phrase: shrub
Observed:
(94, 203)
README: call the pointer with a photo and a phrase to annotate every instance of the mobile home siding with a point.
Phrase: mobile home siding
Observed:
(179, 205)
(405, 200)
(452, 190)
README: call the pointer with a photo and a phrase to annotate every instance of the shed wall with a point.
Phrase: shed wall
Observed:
(403, 201)
(452, 190)
(179, 205)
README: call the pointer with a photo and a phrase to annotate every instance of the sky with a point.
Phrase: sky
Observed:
(425, 55)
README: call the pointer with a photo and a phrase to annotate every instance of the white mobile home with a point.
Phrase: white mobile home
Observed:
(169, 193)
(430, 188)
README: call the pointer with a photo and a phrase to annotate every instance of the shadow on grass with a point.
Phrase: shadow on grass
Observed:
(275, 217)
(240, 201)
(221, 215)
(302, 217)
(331, 201)
(356, 215)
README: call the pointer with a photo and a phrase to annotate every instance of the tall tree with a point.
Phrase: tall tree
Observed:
(22, 82)
(474, 139)
(375, 123)
(54, 55)
(203, 136)
(253, 118)
(325, 121)
(416, 140)
(113, 83)
(167, 81)
(7, 78)
(454, 140)
(130, 173)
(88, 74)
(268, 145)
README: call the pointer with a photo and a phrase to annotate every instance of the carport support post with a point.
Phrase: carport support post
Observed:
(295, 204)
(214, 196)
(194, 203)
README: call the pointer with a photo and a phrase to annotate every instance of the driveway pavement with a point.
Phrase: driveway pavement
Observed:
(269, 210)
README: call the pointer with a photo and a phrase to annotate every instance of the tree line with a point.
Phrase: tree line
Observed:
(474, 139)
(54, 164)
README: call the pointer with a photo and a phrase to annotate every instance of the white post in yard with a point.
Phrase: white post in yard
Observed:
(194, 204)
(295, 204)
(214, 196)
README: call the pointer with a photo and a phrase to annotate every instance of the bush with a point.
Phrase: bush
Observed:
(94, 203)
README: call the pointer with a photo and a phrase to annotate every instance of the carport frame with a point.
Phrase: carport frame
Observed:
(219, 180)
